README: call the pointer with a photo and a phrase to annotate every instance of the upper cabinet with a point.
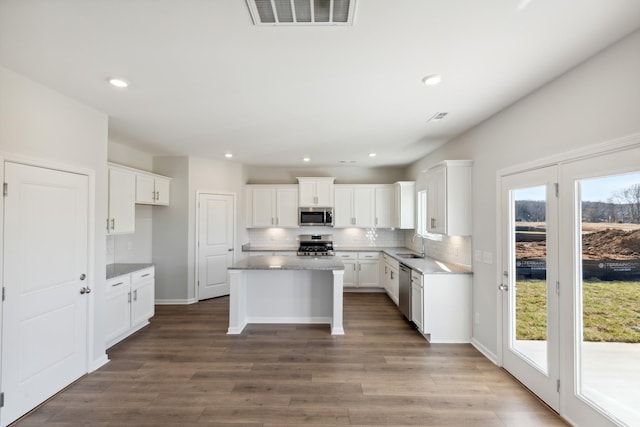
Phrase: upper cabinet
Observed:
(354, 206)
(152, 189)
(128, 186)
(315, 192)
(363, 206)
(121, 216)
(272, 206)
(449, 198)
(405, 205)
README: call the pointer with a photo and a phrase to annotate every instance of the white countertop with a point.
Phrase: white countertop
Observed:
(288, 262)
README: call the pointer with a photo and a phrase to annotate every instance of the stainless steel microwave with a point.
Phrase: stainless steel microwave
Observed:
(315, 216)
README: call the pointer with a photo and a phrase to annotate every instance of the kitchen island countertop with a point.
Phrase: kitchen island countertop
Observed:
(288, 262)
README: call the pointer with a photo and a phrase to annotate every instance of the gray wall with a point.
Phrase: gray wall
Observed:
(596, 102)
(44, 125)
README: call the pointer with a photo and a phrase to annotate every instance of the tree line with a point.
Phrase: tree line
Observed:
(623, 207)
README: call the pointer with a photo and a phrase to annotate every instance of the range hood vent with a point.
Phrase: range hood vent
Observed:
(302, 12)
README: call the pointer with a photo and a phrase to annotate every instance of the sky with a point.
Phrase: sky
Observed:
(593, 190)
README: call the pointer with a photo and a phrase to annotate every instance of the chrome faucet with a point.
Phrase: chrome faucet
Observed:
(413, 239)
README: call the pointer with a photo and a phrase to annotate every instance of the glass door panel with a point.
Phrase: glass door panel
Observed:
(530, 274)
(609, 294)
(529, 336)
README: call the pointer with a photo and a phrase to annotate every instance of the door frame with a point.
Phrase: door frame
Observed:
(91, 363)
(590, 151)
(197, 231)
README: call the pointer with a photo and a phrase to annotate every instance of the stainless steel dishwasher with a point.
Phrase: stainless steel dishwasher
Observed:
(404, 291)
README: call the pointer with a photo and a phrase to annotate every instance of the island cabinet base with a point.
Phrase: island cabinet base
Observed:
(285, 296)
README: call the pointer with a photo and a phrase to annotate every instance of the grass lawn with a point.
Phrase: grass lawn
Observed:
(611, 309)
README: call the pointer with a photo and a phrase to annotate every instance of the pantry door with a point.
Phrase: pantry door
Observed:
(600, 298)
(44, 325)
(216, 224)
(529, 227)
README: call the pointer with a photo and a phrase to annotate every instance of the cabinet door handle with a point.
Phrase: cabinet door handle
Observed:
(113, 223)
(129, 297)
(315, 200)
(157, 195)
(354, 267)
(107, 224)
(135, 295)
(433, 223)
(145, 275)
(392, 275)
(153, 195)
(277, 220)
(117, 284)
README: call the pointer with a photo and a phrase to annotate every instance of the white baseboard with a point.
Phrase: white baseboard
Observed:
(485, 351)
(176, 301)
(98, 363)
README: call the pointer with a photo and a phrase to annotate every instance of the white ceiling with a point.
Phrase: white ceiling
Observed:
(205, 80)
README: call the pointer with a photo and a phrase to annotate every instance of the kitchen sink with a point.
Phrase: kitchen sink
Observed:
(410, 256)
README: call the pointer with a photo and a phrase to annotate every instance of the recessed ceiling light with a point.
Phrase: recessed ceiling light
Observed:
(228, 155)
(432, 79)
(306, 159)
(372, 154)
(117, 82)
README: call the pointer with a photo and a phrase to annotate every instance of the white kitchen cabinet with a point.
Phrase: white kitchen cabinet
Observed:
(272, 206)
(316, 191)
(354, 206)
(405, 210)
(417, 298)
(152, 189)
(121, 216)
(369, 270)
(391, 278)
(449, 198)
(384, 206)
(350, 261)
(129, 304)
(361, 269)
(447, 308)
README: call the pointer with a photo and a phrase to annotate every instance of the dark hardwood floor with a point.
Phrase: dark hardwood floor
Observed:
(184, 370)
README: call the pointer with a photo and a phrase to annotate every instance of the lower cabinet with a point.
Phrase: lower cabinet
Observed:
(391, 280)
(417, 298)
(446, 308)
(361, 269)
(129, 304)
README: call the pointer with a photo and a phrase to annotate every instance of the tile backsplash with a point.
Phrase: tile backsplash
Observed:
(288, 237)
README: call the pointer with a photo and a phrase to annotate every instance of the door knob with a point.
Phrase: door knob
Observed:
(83, 276)
(85, 290)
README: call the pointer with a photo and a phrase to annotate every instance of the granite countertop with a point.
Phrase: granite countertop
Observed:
(423, 265)
(288, 262)
(115, 270)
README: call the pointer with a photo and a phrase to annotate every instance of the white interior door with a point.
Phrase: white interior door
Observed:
(600, 238)
(529, 282)
(44, 334)
(216, 224)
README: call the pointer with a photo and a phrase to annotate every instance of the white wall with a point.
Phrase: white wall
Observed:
(350, 174)
(596, 102)
(170, 232)
(44, 125)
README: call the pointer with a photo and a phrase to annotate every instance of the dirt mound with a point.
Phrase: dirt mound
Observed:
(611, 244)
(607, 244)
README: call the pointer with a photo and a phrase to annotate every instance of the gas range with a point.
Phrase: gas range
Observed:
(315, 245)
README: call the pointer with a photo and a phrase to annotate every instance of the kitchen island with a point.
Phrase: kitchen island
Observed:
(286, 289)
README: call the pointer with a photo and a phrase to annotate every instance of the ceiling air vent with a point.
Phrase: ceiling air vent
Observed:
(302, 12)
(437, 116)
